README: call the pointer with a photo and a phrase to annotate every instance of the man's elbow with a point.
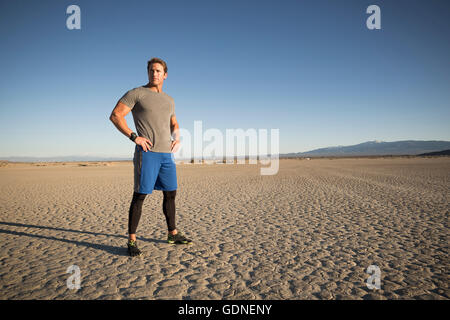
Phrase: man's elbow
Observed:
(113, 117)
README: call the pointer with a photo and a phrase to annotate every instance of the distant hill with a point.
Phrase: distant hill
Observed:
(376, 148)
(437, 153)
(64, 159)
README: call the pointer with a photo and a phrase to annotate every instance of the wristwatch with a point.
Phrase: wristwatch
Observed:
(133, 136)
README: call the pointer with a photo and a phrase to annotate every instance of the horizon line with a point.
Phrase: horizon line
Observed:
(130, 156)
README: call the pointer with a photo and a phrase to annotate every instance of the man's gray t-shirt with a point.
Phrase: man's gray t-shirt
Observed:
(151, 113)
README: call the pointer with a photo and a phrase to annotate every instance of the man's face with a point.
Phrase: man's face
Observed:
(156, 74)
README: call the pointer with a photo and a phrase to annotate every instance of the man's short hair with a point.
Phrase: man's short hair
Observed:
(157, 60)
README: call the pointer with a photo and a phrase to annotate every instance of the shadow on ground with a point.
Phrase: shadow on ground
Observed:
(121, 251)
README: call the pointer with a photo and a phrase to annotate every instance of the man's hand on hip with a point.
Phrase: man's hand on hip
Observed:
(175, 145)
(144, 143)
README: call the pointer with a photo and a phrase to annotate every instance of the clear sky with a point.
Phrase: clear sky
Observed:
(312, 69)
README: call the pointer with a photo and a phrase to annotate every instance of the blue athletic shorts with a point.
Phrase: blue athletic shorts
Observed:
(154, 171)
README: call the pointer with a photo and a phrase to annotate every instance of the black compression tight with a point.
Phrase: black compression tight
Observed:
(169, 208)
(136, 210)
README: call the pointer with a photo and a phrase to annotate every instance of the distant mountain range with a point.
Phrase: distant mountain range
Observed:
(369, 148)
(376, 148)
(437, 153)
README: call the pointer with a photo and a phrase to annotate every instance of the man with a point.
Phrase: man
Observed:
(154, 166)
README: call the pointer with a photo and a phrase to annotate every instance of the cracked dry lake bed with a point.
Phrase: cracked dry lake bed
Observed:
(308, 232)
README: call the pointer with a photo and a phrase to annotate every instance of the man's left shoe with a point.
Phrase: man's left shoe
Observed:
(179, 238)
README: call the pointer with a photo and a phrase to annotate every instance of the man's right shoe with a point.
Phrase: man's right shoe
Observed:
(133, 250)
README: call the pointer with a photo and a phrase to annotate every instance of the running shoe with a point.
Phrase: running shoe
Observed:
(179, 238)
(133, 250)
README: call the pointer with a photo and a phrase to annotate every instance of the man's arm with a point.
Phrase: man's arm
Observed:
(175, 131)
(118, 118)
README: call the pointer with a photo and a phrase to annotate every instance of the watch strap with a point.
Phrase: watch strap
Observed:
(133, 136)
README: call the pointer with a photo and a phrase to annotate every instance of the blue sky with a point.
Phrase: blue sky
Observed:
(312, 69)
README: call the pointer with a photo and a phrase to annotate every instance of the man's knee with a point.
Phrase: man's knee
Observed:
(138, 197)
(170, 194)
